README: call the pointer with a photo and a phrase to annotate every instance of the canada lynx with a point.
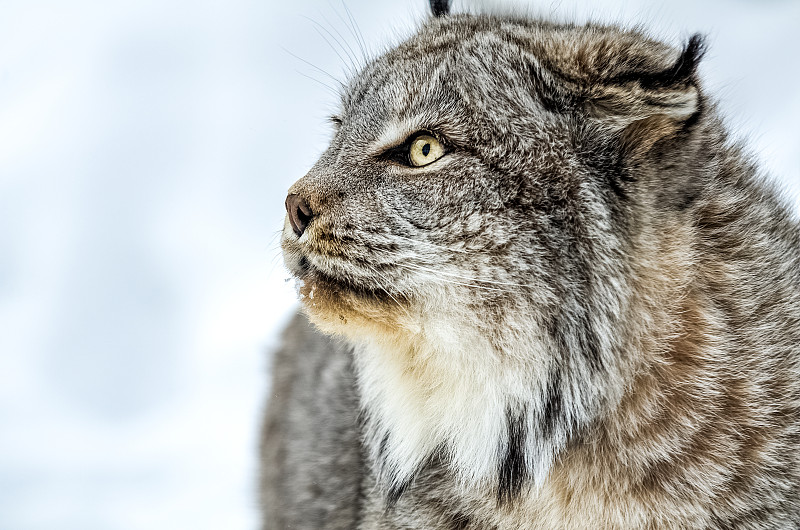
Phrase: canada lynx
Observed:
(562, 297)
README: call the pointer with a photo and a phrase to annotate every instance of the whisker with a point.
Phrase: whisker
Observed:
(275, 235)
(434, 245)
(347, 43)
(315, 67)
(474, 285)
(468, 278)
(351, 58)
(356, 31)
(394, 257)
(320, 29)
(331, 89)
(390, 295)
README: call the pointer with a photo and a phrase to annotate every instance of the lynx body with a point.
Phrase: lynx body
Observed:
(553, 294)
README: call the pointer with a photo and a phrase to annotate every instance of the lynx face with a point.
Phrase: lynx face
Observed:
(469, 226)
(526, 186)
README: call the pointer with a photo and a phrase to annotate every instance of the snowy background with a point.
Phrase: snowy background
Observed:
(145, 150)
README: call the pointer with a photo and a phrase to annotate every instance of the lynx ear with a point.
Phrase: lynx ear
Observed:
(649, 105)
(440, 7)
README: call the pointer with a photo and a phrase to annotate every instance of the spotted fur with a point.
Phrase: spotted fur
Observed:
(585, 315)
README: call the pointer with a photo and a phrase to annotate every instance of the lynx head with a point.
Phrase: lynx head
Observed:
(470, 226)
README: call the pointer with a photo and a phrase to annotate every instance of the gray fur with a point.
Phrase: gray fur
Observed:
(314, 408)
(586, 314)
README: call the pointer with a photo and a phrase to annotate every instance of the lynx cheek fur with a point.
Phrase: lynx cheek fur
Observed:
(562, 297)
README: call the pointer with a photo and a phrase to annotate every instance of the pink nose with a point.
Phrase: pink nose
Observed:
(299, 213)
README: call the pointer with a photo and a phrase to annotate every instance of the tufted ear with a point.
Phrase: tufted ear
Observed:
(648, 105)
(440, 7)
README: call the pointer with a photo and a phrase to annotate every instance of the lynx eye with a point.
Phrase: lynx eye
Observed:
(424, 149)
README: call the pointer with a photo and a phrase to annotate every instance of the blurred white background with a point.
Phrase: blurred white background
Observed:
(145, 150)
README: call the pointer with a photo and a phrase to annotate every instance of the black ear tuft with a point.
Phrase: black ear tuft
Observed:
(683, 69)
(440, 7)
(693, 52)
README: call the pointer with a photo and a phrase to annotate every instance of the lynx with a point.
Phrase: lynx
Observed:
(547, 290)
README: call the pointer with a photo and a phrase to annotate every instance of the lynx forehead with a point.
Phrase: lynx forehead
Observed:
(570, 300)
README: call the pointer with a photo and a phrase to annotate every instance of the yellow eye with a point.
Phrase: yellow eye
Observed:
(424, 150)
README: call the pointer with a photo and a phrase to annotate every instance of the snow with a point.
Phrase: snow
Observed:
(145, 150)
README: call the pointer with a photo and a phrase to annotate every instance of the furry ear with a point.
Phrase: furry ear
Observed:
(440, 7)
(648, 105)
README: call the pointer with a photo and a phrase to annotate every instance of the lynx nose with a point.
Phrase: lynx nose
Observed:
(300, 213)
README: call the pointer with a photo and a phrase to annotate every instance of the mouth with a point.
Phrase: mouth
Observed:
(343, 299)
(314, 279)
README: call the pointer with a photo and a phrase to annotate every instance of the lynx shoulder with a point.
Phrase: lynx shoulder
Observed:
(548, 291)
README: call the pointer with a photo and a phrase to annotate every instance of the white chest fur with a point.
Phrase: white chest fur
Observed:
(452, 399)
